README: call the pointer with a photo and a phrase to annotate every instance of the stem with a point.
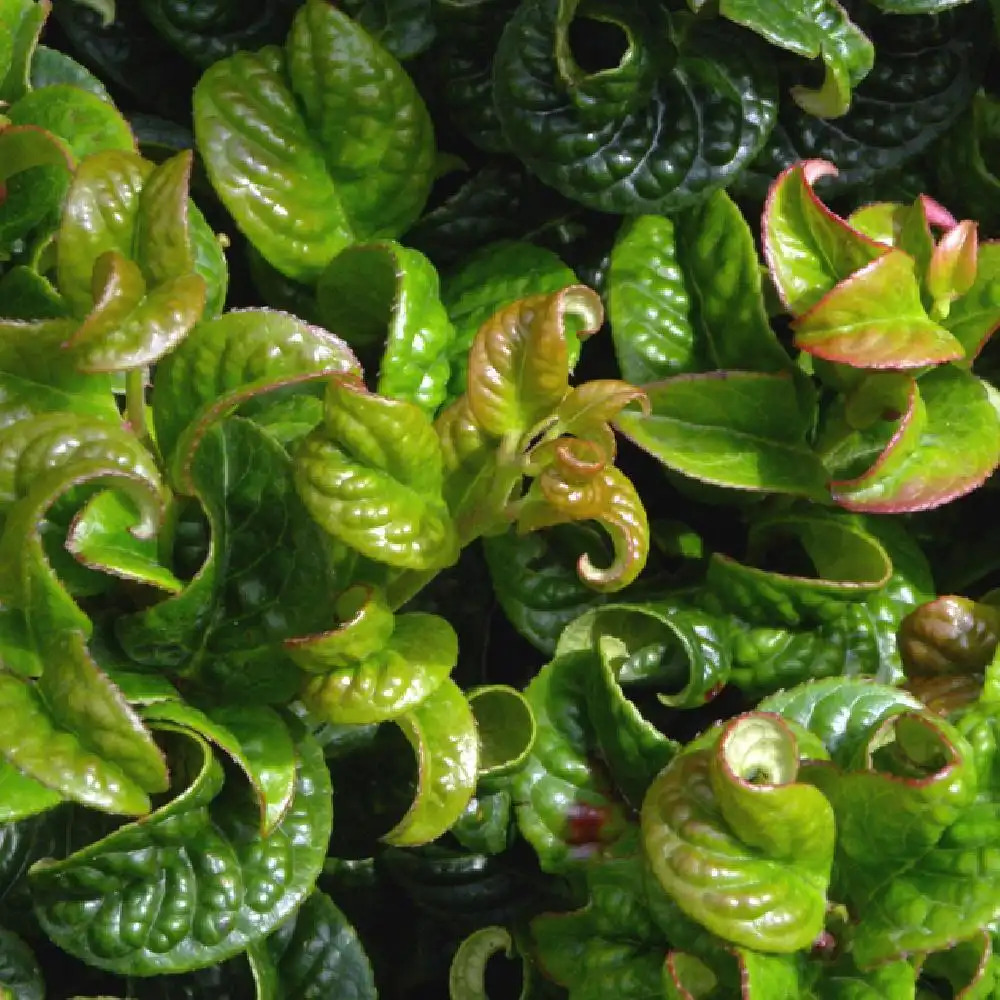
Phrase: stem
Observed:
(135, 404)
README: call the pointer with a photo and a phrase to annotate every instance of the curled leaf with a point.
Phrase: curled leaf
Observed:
(737, 842)
(950, 635)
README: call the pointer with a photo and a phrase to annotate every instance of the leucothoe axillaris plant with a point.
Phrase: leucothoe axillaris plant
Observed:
(277, 582)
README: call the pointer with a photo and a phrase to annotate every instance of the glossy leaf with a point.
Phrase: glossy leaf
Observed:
(442, 732)
(875, 319)
(197, 878)
(377, 294)
(355, 155)
(566, 807)
(809, 249)
(736, 429)
(937, 468)
(235, 358)
(491, 279)
(506, 728)
(323, 954)
(974, 316)
(812, 30)
(20, 975)
(381, 682)
(377, 449)
(741, 846)
(21, 796)
(950, 635)
(20, 24)
(637, 135)
(519, 361)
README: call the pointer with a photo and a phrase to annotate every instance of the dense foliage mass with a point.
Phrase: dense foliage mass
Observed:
(496, 500)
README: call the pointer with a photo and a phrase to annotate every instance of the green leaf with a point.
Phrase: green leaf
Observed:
(377, 294)
(506, 728)
(850, 564)
(198, 880)
(316, 147)
(232, 359)
(975, 316)
(738, 429)
(20, 976)
(535, 579)
(685, 295)
(809, 249)
(323, 955)
(405, 27)
(957, 449)
(373, 478)
(267, 575)
(21, 796)
(21, 23)
(740, 845)
(566, 807)
(74, 733)
(875, 319)
(442, 732)
(812, 30)
(103, 537)
(842, 712)
(99, 215)
(893, 116)
(255, 737)
(50, 66)
(467, 974)
(519, 361)
(361, 685)
(489, 280)
(669, 115)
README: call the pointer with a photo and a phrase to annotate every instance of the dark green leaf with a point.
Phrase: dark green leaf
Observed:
(50, 66)
(197, 879)
(20, 976)
(405, 27)
(632, 136)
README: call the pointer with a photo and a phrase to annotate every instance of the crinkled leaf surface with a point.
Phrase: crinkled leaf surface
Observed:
(315, 146)
(197, 879)
(643, 134)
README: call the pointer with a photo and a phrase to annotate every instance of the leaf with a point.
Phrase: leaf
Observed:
(809, 249)
(442, 732)
(377, 294)
(100, 215)
(875, 319)
(50, 66)
(505, 726)
(738, 843)
(323, 955)
(812, 30)
(20, 976)
(631, 137)
(405, 27)
(738, 429)
(975, 316)
(197, 878)
(467, 973)
(21, 23)
(849, 565)
(363, 685)
(519, 361)
(103, 537)
(21, 796)
(257, 740)
(355, 163)
(930, 473)
(567, 808)
(214, 30)
(230, 360)
(842, 712)
(949, 635)
(373, 479)
(893, 117)
(535, 580)
(489, 280)
(265, 574)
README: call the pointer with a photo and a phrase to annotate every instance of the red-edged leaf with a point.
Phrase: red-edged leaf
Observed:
(875, 319)
(976, 315)
(957, 450)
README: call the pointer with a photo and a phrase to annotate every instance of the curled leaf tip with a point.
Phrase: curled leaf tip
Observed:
(814, 170)
(948, 636)
(936, 214)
